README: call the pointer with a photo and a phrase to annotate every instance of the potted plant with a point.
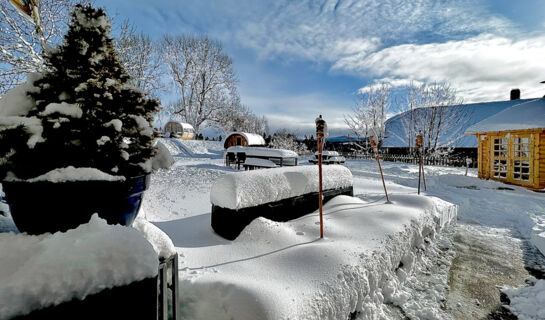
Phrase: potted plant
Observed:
(76, 139)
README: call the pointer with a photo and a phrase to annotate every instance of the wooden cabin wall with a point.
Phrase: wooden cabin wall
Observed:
(484, 156)
(540, 159)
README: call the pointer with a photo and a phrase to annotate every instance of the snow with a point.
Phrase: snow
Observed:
(252, 138)
(39, 271)
(528, 303)
(143, 125)
(160, 241)
(67, 109)
(375, 257)
(258, 162)
(397, 130)
(163, 159)
(116, 123)
(263, 152)
(16, 102)
(253, 188)
(328, 153)
(73, 174)
(526, 115)
(31, 125)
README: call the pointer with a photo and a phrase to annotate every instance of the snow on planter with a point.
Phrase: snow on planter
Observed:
(249, 189)
(46, 270)
(279, 194)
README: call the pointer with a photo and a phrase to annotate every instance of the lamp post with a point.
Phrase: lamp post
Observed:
(321, 134)
(375, 149)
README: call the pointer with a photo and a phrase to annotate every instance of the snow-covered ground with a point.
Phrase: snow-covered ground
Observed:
(377, 260)
(288, 273)
(367, 265)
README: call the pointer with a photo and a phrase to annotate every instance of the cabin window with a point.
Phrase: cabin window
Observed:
(500, 168)
(522, 147)
(500, 147)
(521, 170)
(239, 141)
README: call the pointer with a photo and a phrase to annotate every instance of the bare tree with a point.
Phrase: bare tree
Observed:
(436, 111)
(204, 77)
(241, 118)
(369, 115)
(283, 139)
(140, 58)
(21, 46)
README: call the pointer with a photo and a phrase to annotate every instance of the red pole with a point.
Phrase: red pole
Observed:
(320, 184)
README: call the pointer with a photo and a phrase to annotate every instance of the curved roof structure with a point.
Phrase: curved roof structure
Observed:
(251, 138)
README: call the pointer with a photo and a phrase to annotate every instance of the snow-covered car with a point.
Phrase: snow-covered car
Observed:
(328, 157)
(275, 157)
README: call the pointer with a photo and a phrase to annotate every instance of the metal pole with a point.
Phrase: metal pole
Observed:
(423, 175)
(419, 172)
(375, 149)
(382, 175)
(320, 184)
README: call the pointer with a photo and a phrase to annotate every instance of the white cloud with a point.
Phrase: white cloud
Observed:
(298, 112)
(482, 68)
(325, 31)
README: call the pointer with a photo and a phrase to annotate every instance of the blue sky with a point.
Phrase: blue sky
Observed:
(297, 59)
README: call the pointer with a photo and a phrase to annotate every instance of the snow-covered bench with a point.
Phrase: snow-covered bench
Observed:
(278, 194)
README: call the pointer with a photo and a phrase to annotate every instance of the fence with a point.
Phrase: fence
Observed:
(447, 160)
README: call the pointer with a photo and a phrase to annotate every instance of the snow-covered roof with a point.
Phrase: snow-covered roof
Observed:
(183, 124)
(263, 152)
(397, 130)
(525, 115)
(252, 138)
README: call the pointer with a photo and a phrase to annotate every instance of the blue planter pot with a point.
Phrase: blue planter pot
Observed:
(43, 206)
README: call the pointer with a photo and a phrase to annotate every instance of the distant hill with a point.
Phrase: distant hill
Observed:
(397, 131)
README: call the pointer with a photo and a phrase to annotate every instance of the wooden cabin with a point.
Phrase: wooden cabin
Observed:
(511, 145)
(180, 130)
(243, 139)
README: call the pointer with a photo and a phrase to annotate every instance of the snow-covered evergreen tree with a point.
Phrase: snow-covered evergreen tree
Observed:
(91, 116)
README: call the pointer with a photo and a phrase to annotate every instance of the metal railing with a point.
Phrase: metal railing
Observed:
(168, 289)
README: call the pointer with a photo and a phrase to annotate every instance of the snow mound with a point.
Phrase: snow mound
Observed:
(252, 188)
(527, 303)
(75, 174)
(45, 270)
(160, 241)
(163, 159)
(191, 148)
(279, 270)
(16, 102)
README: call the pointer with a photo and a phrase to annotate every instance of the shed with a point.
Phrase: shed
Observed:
(243, 139)
(181, 129)
(511, 145)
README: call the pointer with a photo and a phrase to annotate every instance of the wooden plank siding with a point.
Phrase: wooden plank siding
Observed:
(537, 156)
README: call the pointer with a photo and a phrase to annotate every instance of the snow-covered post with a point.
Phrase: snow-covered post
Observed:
(375, 149)
(468, 163)
(420, 147)
(321, 133)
